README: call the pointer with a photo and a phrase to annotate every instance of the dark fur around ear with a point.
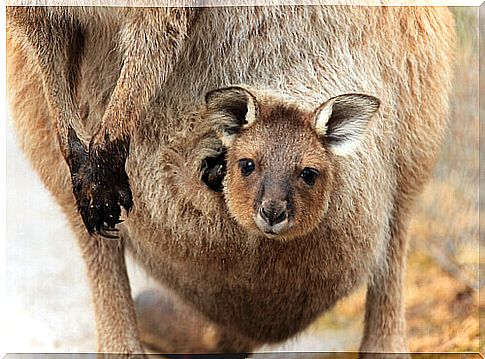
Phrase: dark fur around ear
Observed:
(229, 110)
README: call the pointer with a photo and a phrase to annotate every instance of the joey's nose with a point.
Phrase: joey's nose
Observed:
(273, 212)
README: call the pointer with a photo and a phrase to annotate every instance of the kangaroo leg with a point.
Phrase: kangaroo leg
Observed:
(113, 306)
(384, 314)
(110, 290)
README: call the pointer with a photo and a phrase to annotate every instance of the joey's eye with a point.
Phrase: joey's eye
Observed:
(309, 175)
(247, 167)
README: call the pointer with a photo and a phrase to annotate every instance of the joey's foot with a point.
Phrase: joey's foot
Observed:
(100, 184)
(121, 356)
(384, 356)
(167, 325)
(214, 170)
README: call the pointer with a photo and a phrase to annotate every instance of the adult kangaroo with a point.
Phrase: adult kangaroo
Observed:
(269, 156)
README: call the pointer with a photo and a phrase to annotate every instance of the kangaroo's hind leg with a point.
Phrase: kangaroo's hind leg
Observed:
(37, 134)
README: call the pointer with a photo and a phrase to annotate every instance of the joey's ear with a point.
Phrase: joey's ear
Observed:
(230, 110)
(342, 121)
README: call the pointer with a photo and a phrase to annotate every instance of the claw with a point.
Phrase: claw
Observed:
(100, 191)
(213, 171)
(108, 226)
(104, 233)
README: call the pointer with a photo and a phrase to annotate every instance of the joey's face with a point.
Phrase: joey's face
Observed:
(278, 174)
(280, 158)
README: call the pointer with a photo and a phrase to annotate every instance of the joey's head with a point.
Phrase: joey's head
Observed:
(280, 158)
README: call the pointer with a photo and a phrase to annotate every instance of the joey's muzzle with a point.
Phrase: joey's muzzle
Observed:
(272, 217)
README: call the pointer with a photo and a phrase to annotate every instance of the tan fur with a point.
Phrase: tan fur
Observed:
(186, 235)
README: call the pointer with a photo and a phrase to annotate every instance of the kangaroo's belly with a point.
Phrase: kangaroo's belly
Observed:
(265, 289)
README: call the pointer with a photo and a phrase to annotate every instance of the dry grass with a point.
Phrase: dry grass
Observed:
(446, 216)
(442, 301)
(442, 285)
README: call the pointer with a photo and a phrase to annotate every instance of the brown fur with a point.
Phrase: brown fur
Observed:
(298, 148)
(351, 229)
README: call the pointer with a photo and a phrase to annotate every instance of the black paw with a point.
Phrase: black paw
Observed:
(214, 170)
(100, 184)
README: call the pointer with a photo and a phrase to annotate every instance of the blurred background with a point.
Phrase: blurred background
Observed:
(47, 292)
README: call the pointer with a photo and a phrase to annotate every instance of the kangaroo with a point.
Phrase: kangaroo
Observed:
(268, 156)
